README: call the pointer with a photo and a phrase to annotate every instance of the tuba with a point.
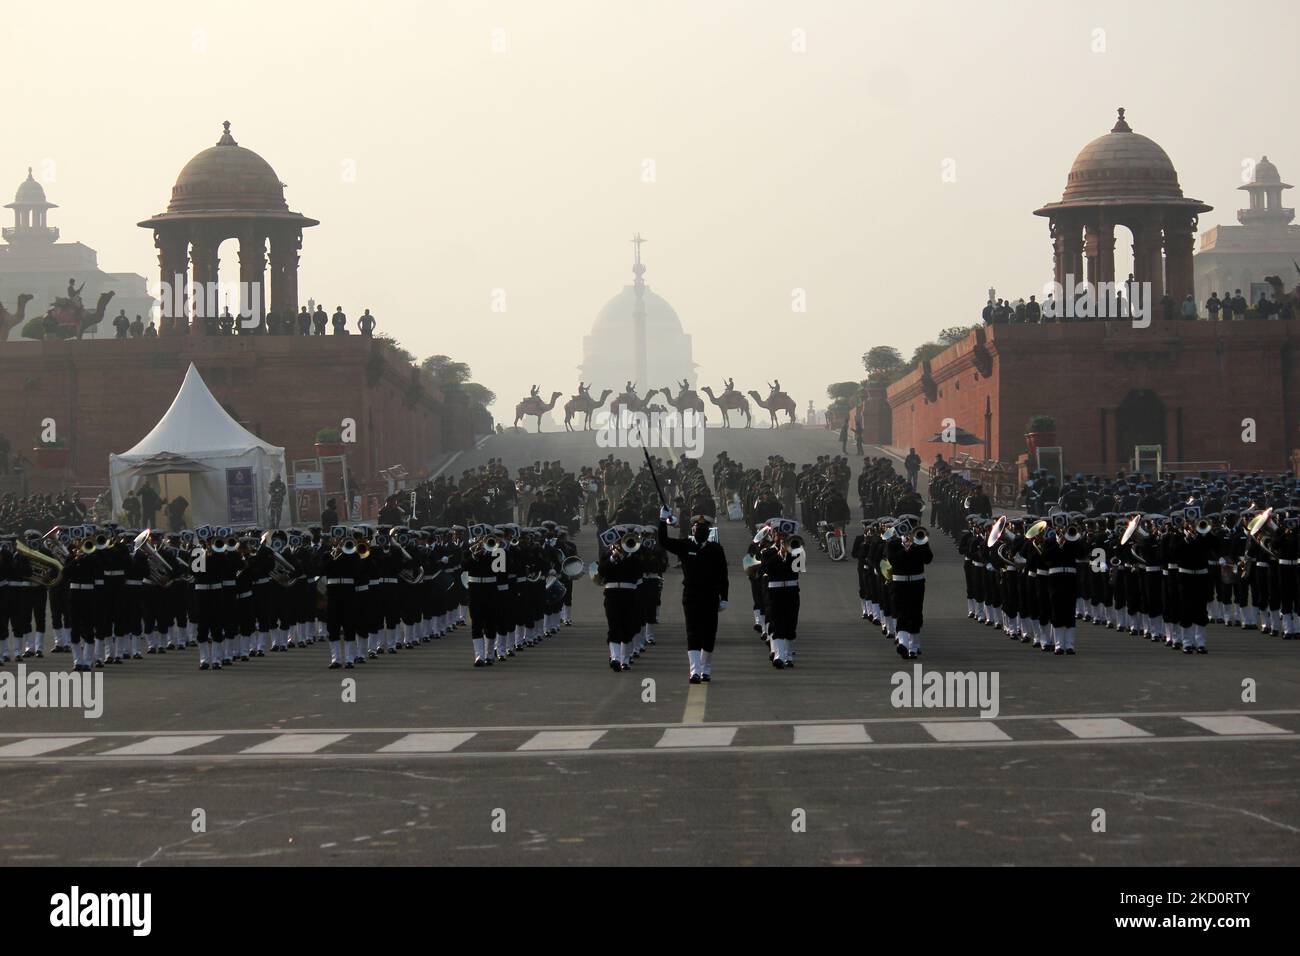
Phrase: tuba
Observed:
(1262, 529)
(46, 571)
(282, 570)
(161, 571)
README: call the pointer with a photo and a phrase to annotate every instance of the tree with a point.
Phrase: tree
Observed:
(478, 394)
(881, 362)
(445, 372)
(956, 333)
(926, 351)
(843, 391)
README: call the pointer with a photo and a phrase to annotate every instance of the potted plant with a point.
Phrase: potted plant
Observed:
(329, 443)
(1040, 432)
(51, 456)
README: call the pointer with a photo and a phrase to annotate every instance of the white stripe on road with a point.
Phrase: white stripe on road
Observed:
(35, 746)
(960, 731)
(294, 744)
(562, 740)
(425, 744)
(1234, 725)
(1102, 727)
(155, 746)
(697, 736)
(831, 734)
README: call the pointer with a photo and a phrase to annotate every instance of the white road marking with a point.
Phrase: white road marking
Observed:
(159, 745)
(1102, 727)
(1235, 725)
(831, 734)
(562, 740)
(425, 744)
(697, 736)
(294, 744)
(35, 746)
(963, 730)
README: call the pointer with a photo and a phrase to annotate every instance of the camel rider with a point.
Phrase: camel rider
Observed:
(775, 386)
(584, 390)
(532, 392)
(729, 385)
(74, 292)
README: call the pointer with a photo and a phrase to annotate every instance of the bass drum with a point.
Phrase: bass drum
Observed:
(556, 590)
(573, 568)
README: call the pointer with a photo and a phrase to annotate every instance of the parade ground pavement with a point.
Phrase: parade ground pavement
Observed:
(1127, 754)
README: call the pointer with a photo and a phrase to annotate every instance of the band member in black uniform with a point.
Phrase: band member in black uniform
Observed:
(908, 552)
(340, 566)
(1062, 546)
(704, 589)
(782, 561)
(654, 562)
(618, 573)
(481, 582)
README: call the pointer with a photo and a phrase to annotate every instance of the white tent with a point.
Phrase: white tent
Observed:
(225, 468)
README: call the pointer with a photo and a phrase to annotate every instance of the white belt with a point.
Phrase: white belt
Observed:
(114, 574)
(908, 577)
(389, 580)
(1149, 568)
(134, 584)
(503, 587)
(244, 594)
(229, 584)
(1062, 570)
(82, 587)
(329, 581)
(1042, 571)
(207, 587)
(491, 580)
(783, 584)
(1286, 561)
(652, 577)
(1192, 571)
(363, 587)
(262, 581)
(1261, 564)
(617, 585)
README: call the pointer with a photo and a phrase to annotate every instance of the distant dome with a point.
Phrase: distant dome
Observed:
(30, 192)
(227, 177)
(1266, 172)
(1122, 165)
(617, 313)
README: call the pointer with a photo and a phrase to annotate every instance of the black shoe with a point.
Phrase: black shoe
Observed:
(152, 650)
(1202, 650)
(1046, 647)
(204, 667)
(696, 679)
(478, 662)
(1069, 651)
(334, 665)
(902, 651)
(243, 658)
(788, 664)
(1058, 651)
(1188, 649)
(911, 655)
(134, 657)
(347, 666)
(392, 650)
(625, 667)
(705, 677)
(614, 665)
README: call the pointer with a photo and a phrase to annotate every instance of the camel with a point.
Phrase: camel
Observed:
(583, 405)
(71, 313)
(1280, 295)
(535, 407)
(630, 402)
(687, 399)
(780, 402)
(9, 322)
(730, 401)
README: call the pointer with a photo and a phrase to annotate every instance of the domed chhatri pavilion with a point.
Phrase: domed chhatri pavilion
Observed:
(637, 337)
(1124, 179)
(1121, 392)
(227, 192)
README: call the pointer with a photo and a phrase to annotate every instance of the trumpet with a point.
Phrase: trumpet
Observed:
(489, 542)
(630, 543)
(349, 546)
(87, 546)
(45, 570)
(1072, 533)
(920, 537)
(793, 545)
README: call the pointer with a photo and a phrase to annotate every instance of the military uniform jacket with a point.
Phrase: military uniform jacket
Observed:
(704, 567)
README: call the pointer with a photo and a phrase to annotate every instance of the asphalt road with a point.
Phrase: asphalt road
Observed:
(551, 758)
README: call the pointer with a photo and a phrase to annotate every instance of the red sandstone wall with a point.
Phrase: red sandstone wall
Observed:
(1208, 376)
(106, 395)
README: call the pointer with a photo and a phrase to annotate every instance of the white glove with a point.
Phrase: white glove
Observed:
(722, 605)
(665, 513)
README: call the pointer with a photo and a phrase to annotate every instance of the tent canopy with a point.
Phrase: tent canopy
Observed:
(228, 466)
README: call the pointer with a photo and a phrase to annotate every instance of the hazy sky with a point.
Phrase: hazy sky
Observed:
(522, 168)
